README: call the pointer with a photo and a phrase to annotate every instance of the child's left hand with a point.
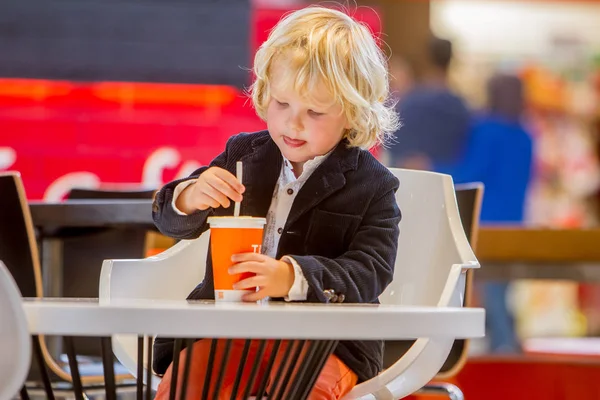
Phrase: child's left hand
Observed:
(274, 278)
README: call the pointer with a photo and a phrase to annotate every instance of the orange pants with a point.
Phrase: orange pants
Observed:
(335, 380)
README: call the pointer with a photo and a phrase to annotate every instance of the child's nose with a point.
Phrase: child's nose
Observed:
(295, 123)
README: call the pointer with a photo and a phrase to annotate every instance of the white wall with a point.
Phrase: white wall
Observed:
(521, 29)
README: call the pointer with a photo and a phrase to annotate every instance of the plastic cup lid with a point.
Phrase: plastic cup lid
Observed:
(236, 222)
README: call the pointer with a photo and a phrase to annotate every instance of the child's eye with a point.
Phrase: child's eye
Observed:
(279, 103)
(314, 113)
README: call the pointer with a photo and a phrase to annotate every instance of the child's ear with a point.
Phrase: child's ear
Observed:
(347, 133)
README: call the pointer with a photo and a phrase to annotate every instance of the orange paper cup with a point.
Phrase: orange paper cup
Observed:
(229, 236)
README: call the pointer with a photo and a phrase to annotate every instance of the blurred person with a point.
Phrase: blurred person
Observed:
(435, 121)
(499, 154)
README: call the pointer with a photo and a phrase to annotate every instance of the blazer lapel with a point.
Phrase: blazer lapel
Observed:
(327, 179)
(261, 169)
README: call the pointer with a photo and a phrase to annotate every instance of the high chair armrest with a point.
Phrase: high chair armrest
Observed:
(172, 274)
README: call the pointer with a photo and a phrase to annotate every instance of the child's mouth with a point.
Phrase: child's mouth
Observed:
(293, 142)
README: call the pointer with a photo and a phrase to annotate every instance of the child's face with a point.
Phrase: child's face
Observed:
(302, 129)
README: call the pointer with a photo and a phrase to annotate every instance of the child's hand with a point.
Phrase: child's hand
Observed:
(274, 278)
(213, 188)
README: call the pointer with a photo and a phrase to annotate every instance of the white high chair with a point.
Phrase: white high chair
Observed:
(433, 256)
(15, 341)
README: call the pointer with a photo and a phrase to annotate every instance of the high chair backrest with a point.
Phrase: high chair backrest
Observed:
(433, 257)
(15, 342)
(432, 246)
(432, 239)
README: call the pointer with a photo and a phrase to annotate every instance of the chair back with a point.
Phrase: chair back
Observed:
(18, 247)
(431, 241)
(84, 194)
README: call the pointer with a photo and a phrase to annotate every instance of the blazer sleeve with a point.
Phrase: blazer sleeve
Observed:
(191, 226)
(363, 272)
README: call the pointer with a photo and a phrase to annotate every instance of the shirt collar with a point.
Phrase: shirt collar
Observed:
(309, 167)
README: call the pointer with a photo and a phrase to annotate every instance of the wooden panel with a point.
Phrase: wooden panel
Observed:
(509, 244)
(406, 28)
(158, 243)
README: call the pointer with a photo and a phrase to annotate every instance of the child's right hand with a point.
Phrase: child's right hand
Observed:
(213, 188)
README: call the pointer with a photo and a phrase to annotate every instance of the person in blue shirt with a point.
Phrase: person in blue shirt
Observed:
(435, 120)
(499, 154)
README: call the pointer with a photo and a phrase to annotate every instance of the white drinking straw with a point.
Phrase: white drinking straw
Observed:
(238, 174)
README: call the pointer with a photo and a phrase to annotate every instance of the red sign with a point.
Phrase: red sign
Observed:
(61, 135)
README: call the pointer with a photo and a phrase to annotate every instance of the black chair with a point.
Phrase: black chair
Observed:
(468, 198)
(19, 252)
(18, 248)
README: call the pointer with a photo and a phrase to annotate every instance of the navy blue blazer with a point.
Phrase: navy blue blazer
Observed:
(342, 230)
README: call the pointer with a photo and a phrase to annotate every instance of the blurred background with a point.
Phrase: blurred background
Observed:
(128, 94)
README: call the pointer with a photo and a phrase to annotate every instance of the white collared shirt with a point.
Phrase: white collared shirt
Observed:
(286, 190)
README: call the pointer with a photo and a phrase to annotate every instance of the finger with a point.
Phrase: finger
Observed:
(255, 296)
(216, 194)
(248, 266)
(250, 283)
(209, 201)
(230, 179)
(224, 188)
(242, 257)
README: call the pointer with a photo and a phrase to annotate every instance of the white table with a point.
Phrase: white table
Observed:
(86, 317)
(317, 328)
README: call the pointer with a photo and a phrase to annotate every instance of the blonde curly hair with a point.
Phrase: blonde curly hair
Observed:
(327, 46)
